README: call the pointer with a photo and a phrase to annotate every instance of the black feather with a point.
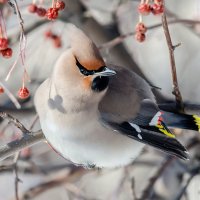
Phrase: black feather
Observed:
(155, 139)
(178, 120)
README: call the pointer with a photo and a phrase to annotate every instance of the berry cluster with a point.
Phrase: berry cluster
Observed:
(50, 13)
(5, 51)
(145, 8)
(56, 39)
(156, 8)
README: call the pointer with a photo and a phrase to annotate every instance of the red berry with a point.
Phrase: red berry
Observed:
(6, 53)
(52, 13)
(144, 9)
(3, 43)
(23, 93)
(48, 34)
(140, 37)
(32, 8)
(41, 12)
(140, 27)
(157, 9)
(3, 1)
(60, 5)
(1, 90)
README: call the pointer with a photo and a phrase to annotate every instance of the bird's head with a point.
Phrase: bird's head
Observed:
(82, 65)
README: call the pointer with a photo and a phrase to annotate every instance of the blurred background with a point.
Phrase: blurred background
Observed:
(154, 175)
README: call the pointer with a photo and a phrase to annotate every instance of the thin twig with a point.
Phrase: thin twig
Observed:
(133, 189)
(22, 43)
(148, 191)
(15, 162)
(15, 171)
(146, 194)
(15, 122)
(193, 172)
(77, 192)
(38, 189)
(171, 47)
(119, 189)
(121, 38)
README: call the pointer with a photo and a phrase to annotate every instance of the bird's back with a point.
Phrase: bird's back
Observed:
(125, 93)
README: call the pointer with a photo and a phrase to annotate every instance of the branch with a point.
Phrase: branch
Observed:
(73, 176)
(121, 38)
(19, 144)
(146, 194)
(171, 47)
(15, 121)
(193, 172)
(17, 180)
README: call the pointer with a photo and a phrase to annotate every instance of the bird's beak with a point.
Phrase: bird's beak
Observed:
(106, 72)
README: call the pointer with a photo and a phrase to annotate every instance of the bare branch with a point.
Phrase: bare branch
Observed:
(73, 176)
(171, 47)
(15, 171)
(15, 121)
(19, 144)
(166, 163)
(121, 38)
(149, 189)
(193, 172)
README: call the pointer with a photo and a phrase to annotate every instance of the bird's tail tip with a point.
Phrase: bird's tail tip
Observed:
(197, 121)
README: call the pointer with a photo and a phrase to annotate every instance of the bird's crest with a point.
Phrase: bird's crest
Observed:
(84, 50)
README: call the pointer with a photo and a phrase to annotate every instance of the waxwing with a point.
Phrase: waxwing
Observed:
(99, 115)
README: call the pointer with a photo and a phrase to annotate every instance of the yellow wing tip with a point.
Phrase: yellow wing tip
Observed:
(197, 121)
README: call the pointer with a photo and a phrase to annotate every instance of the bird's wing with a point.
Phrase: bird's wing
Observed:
(124, 95)
(129, 107)
(150, 137)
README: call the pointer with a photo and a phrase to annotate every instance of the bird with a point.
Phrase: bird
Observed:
(100, 115)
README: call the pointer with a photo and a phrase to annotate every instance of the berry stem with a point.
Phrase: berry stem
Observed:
(53, 3)
(1, 31)
(140, 18)
(3, 25)
(23, 79)
(34, 1)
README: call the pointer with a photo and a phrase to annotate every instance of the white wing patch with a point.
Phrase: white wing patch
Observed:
(139, 136)
(137, 128)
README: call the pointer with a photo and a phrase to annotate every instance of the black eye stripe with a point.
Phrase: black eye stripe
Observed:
(86, 72)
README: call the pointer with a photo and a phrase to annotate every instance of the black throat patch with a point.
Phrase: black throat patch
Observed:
(100, 83)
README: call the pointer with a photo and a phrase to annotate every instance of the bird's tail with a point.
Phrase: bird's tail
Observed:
(183, 121)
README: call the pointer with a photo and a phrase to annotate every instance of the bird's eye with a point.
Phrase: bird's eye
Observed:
(82, 69)
(86, 72)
